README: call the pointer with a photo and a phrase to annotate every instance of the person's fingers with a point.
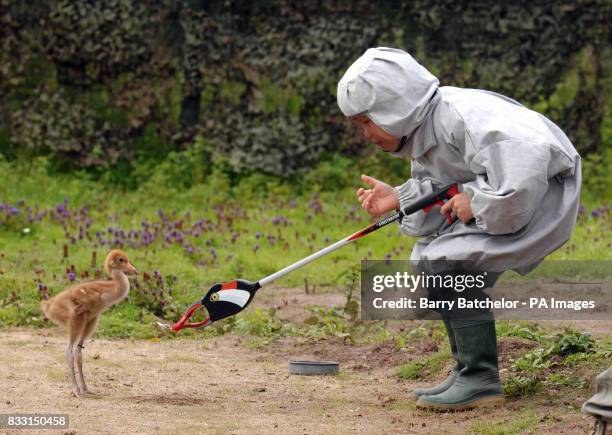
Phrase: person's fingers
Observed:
(448, 206)
(361, 194)
(465, 216)
(461, 213)
(364, 194)
(369, 180)
(367, 204)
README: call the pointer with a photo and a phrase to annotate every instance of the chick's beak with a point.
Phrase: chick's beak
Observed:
(131, 269)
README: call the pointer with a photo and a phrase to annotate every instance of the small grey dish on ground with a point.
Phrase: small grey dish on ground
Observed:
(302, 367)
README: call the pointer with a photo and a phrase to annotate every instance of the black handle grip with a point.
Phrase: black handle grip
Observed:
(446, 192)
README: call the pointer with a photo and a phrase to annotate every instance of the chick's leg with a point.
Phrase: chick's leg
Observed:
(70, 361)
(79, 362)
(76, 324)
(88, 330)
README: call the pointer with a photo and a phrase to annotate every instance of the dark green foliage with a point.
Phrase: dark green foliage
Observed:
(51, 122)
(351, 280)
(154, 293)
(95, 41)
(572, 341)
(550, 365)
(121, 84)
(424, 367)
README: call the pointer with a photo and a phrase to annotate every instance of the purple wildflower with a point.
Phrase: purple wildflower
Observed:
(316, 205)
(62, 208)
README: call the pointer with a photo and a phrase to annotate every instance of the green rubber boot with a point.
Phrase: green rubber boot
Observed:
(477, 383)
(452, 375)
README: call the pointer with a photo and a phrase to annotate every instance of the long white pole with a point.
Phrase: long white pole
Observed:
(304, 261)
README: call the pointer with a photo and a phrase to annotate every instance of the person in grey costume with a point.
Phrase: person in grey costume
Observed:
(519, 177)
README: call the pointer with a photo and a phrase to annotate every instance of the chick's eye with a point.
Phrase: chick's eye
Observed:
(121, 260)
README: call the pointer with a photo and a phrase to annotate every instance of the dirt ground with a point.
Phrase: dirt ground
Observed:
(219, 385)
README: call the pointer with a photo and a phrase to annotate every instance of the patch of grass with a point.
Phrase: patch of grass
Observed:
(522, 386)
(565, 379)
(523, 421)
(506, 328)
(22, 315)
(566, 344)
(328, 322)
(549, 365)
(588, 359)
(404, 405)
(424, 367)
(260, 326)
(533, 361)
(411, 370)
(430, 331)
(262, 323)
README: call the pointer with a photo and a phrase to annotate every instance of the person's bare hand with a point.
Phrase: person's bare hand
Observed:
(378, 200)
(460, 205)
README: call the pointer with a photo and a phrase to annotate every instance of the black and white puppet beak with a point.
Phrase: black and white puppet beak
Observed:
(226, 299)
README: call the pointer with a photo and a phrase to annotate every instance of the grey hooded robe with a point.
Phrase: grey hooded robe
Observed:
(520, 170)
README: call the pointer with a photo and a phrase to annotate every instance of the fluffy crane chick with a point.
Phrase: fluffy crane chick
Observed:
(78, 308)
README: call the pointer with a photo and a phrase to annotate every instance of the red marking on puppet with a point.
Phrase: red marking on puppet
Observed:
(232, 285)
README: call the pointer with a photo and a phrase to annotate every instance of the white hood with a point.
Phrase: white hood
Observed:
(391, 88)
